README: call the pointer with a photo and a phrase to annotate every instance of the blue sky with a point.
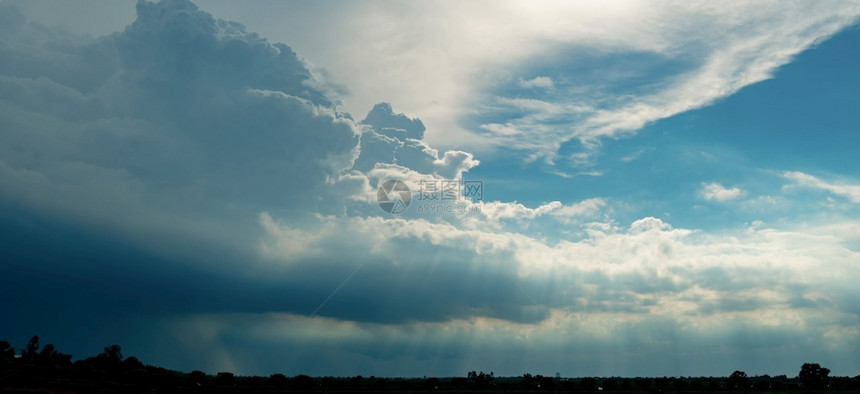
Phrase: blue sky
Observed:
(800, 120)
(667, 189)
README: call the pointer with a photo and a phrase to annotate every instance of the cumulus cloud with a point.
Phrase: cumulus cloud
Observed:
(189, 126)
(717, 192)
(394, 138)
(178, 131)
(182, 126)
(383, 118)
(581, 208)
(180, 117)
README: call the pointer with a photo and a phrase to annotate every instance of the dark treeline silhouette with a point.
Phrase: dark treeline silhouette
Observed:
(44, 369)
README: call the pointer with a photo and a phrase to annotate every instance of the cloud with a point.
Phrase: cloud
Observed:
(648, 267)
(383, 119)
(180, 119)
(198, 178)
(394, 138)
(494, 213)
(569, 343)
(630, 63)
(197, 123)
(623, 87)
(612, 285)
(581, 208)
(851, 192)
(448, 78)
(418, 292)
(716, 192)
(175, 134)
(537, 82)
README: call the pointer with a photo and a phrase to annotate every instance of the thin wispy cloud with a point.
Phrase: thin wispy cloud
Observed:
(707, 65)
(849, 191)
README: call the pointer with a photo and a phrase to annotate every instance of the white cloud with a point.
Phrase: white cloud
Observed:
(475, 47)
(394, 138)
(633, 156)
(500, 129)
(583, 211)
(494, 211)
(537, 82)
(849, 191)
(648, 258)
(763, 37)
(717, 192)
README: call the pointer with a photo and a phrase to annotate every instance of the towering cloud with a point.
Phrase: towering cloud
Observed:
(179, 114)
(395, 138)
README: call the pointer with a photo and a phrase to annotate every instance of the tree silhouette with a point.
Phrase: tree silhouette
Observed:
(30, 352)
(197, 377)
(278, 379)
(132, 363)
(6, 350)
(110, 359)
(813, 376)
(305, 381)
(50, 356)
(588, 384)
(225, 377)
(43, 368)
(737, 381)
(113, 353)
(47, 352)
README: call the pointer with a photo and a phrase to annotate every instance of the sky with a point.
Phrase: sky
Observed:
(388, 188)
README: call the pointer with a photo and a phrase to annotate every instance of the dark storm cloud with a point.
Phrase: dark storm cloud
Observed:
(214, 105)
(160, 144)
